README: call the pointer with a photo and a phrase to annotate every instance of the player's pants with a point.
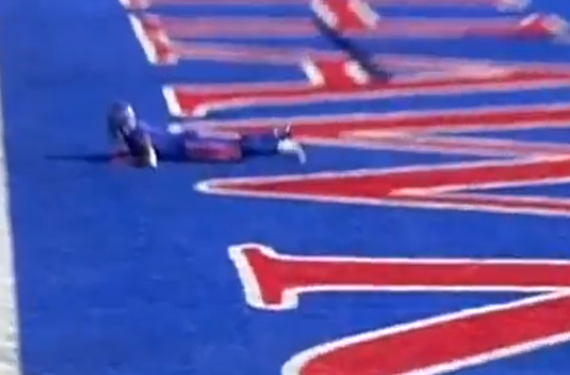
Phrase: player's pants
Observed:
(259, 144)
(217, 148)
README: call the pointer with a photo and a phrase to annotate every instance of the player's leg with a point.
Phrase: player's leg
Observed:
(278, 141)
(207, 149)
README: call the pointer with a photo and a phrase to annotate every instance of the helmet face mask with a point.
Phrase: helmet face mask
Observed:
(123, 116)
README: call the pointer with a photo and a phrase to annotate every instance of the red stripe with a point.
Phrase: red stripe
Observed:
(276, 275)
(339, 88)
(448, 342)
(387, 27)
(440, 344)
(383, 183)
(416, 3)
(532, 205)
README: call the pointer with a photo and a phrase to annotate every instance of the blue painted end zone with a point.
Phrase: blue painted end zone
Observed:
(125, 271)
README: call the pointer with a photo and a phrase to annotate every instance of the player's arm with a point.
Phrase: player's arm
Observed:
(152, 159)
(149, 159)
(117, 141)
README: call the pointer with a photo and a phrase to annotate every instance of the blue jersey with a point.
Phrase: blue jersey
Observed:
(192, 145)
(167, 144)
(137, 139)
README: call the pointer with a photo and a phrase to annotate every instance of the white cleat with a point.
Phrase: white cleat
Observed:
(290, 146)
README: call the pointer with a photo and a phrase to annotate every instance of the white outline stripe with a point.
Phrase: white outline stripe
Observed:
(9, 335)
(146, 44)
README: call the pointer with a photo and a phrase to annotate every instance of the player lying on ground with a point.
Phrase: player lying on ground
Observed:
(144, 146)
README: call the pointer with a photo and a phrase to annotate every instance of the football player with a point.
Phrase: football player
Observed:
(144, 146)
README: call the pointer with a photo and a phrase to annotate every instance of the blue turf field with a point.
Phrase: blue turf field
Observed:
(126, 272)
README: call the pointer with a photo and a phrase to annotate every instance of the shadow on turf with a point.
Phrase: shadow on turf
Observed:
(108, 159)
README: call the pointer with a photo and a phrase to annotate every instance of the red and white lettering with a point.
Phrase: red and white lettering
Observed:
(534, 26)
(331, 82)
(417, 128)
(478, 335)
(440, 187)
(444, 343)
(429, 346)
(331, 77)
(498, 4)
(435, 187)
(276, 281)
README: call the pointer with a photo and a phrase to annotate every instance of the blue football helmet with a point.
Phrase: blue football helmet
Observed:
(121, 118)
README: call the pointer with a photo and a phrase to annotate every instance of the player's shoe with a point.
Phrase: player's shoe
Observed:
(290, 146)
